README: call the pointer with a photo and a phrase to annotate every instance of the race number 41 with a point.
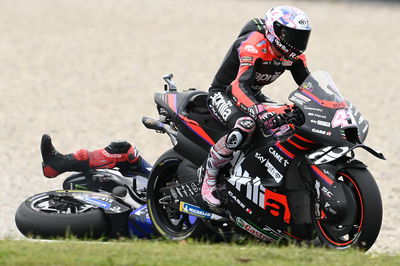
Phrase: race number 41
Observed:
(342, 118)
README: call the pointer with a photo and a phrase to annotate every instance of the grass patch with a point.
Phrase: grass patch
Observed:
(156, 252)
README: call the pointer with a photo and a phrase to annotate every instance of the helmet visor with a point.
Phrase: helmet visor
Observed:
(293, 38)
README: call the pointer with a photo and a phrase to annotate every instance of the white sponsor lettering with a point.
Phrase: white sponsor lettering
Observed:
(321, 123)
(319, 131)
(278, 157)
(222, 105)
(260, 157)
(273, 172)
(236, 199)
(251, 49)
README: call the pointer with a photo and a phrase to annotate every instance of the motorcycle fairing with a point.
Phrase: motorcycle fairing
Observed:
(329, 153)
(189, 112)
(332, 197)
(258, 210)
(140, 224)
(102, 200)
(326, 113)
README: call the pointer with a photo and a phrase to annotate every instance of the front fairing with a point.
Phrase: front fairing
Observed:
(329, 118)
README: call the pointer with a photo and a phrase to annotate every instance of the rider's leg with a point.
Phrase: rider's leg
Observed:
(220, 155)
(115, 154)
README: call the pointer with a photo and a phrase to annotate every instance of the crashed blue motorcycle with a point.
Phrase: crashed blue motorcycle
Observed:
(92, 204)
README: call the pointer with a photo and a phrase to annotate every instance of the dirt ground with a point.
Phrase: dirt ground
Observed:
(85, 72)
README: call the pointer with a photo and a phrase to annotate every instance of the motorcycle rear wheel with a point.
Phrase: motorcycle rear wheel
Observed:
(368, 213)
(46, 216)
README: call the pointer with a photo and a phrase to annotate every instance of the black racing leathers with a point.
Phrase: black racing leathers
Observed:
(249, 65)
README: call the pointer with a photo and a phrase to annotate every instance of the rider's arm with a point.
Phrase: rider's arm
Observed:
(299, 69)
(241, 91)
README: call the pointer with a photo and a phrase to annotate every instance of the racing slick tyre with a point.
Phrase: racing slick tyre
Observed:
(366, 213)
(47, 216)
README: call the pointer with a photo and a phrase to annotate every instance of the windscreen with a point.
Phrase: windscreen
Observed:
(320, 87)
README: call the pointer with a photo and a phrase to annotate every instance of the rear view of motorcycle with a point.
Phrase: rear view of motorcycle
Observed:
(301, 182)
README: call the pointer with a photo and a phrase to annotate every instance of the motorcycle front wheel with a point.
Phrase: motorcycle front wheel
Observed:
(367, 212)
(169, 222)
(51, 215)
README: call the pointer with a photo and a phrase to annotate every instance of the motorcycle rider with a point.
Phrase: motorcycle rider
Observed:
(119, 154)
(264, 49)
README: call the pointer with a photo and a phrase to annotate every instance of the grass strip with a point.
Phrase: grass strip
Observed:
(156, 252)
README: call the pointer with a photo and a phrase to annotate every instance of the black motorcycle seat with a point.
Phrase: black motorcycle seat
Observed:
(198, 103)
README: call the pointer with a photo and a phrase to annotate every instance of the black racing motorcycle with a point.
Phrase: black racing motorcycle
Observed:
(299, 182)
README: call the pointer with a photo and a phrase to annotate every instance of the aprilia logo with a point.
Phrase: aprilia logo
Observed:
(266, 77)
(222, 105)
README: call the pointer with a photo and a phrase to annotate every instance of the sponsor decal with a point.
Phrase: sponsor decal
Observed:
(287, 63)
(317, 115)
(281, 46)
(109, 200)
(304, 22)
(97, 202)
(222, 105)
(252, 230)
(270, 168)
(274, 203)
(116, 209)
(251, 49)
(112, 155)
(299, 98)
(194, 210)
(302, 97)
(312, 108)
(261, 43)
(274, 233)
(321, 123)
(239, 202)
(246, 59)
(266, 77)
(307, 86)
(319, 131)
(278, 157)
(273, 172)
(260, 157)
(326, 192)
(328, 207)
(245, 64)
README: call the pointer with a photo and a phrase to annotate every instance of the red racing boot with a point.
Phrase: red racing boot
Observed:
(55, 163)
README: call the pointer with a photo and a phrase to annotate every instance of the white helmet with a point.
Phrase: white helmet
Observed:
(288, 29)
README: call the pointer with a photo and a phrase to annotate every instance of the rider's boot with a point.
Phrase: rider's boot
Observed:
(218, 157)
(55, 163)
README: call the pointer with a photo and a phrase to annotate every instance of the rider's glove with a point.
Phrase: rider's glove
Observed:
(269, 120)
